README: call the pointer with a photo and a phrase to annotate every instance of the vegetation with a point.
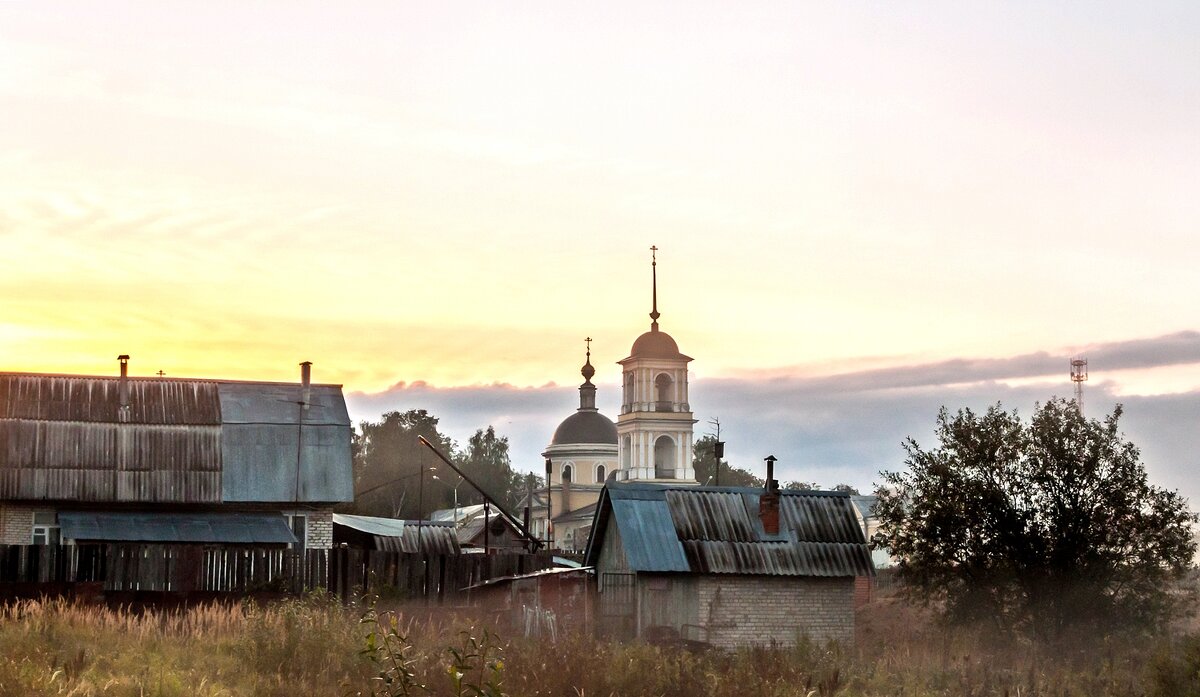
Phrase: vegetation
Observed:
(1042, 528)
(314, 646)
(388, 462)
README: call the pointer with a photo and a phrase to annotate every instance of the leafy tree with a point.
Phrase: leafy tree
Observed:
(387, 466)
(705, 464)
(1040, 527)
(486, 461)
(797, 484)
(847, 489)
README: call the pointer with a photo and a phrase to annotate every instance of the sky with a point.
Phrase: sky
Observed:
(864, 211)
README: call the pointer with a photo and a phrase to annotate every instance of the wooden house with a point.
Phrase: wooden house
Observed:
(725, 566)
(169, 460)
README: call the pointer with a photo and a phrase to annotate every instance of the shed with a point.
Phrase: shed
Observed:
(726, 566)
(394, 535)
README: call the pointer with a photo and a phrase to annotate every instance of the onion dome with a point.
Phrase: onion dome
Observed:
(586, 425)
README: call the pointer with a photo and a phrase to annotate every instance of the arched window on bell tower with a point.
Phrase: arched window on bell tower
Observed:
(664, 458)
(664, 393)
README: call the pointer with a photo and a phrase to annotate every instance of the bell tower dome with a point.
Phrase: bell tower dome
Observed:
(655, 425)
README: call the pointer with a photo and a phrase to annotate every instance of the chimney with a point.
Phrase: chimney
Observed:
(305, 384)
(123, 386)
(768, 501)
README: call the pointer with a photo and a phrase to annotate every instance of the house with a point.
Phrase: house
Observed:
(170, 460)
(725, 566)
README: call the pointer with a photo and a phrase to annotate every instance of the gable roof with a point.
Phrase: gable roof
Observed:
(673, 528)
(67, 438)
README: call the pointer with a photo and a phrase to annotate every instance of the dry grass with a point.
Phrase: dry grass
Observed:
(314, 647)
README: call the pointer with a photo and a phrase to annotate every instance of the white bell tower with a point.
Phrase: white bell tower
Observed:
(654, 428)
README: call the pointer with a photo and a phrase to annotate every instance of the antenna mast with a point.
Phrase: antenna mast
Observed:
(1079, 375)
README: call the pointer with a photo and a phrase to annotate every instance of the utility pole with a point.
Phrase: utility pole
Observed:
(718, 451)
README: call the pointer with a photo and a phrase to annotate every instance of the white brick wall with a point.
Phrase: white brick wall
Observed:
(745, 610)
(320, 529)
(16, 525)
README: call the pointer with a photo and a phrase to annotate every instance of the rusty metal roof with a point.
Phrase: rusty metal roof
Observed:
(68, 438)
(674, 528)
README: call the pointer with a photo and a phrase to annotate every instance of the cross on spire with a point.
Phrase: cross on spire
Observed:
(654, 288)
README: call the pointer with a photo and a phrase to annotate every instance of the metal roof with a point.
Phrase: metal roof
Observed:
(395, 535)
(673, 528)
(67, 438)
(262, 425)
(237, 528)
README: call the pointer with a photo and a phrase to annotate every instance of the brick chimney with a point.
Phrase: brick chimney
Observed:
(768, 501)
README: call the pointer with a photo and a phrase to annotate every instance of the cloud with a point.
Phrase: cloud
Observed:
(847, 427)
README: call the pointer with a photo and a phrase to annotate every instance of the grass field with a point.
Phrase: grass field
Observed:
(316, 647)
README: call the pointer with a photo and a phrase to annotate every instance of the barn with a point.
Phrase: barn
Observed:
(725, 566)
(171, 460)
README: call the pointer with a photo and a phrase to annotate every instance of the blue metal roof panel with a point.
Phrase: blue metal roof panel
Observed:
(649, 535)
(279, 403)
(235, 528)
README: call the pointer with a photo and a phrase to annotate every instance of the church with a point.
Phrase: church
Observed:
(651, 440)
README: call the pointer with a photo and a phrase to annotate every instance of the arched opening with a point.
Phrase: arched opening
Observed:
(599, 474)
(664, 393)
(626, 451)
(628, 396)
(664, 458)
(566, 474)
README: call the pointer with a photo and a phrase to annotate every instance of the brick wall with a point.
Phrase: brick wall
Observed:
(745, 610)
(16, 525)
(320, 529)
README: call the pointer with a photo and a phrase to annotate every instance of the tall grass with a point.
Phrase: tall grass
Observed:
(313, 646)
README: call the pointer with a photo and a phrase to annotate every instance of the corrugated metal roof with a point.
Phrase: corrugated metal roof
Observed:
(395, 535)
(371, 525)
(718, 530)
(237, 528)
(183, 441)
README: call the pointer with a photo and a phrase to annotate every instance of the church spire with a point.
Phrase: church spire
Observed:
(587, 391)
(654, 288)
(588, 371)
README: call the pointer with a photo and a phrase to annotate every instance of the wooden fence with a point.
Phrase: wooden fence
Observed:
(197, 569)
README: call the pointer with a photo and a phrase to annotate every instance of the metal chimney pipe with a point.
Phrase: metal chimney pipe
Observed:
(305, 383)
(123, 387)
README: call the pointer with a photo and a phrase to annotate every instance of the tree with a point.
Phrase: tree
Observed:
(387, 466)
(1040, 527)
(704, 462)
(486, 461)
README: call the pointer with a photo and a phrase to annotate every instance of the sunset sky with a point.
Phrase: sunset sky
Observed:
(864, 210)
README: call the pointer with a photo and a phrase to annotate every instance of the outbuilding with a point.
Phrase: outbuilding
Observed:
(725, 566)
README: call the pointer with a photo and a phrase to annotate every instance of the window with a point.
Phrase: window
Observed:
(599, 474)
(663, 393)
(298, 523)
(664, 458)
(566, 474)
(45, 528)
